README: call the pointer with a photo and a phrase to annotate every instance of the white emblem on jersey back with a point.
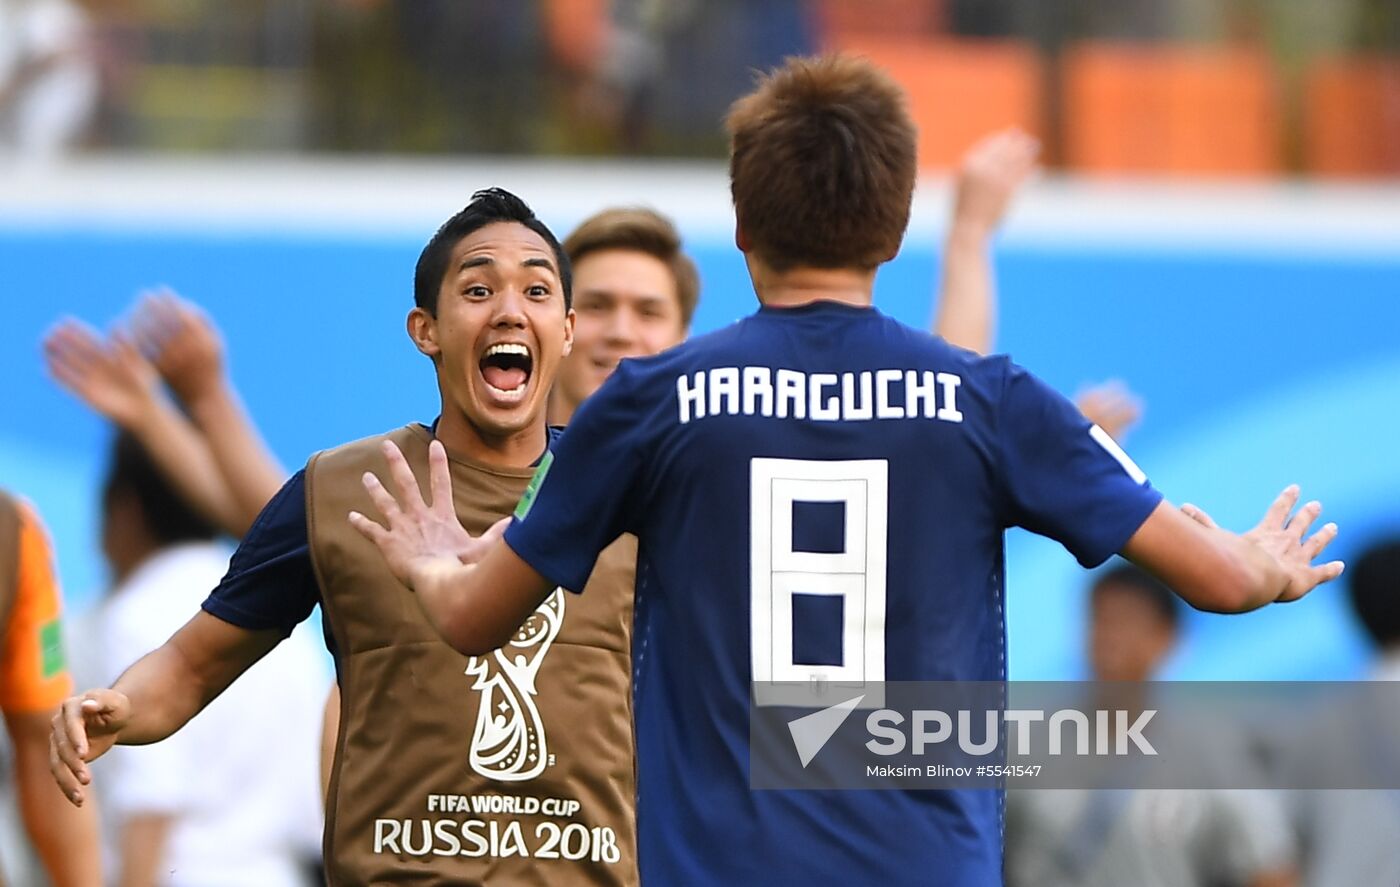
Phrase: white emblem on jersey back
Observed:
(509, 741)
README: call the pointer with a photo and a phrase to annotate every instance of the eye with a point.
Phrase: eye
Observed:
(477, 291)
(539, 290)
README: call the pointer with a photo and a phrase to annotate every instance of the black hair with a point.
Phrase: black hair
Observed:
(487, 206)
(1374, 588)
(1137, 581)
(168, 516)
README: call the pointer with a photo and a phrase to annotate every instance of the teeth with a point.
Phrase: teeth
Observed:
(508, 348)
(514, 394)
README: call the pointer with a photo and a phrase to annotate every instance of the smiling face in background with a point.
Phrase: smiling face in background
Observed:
(628, 306)
(500, 331)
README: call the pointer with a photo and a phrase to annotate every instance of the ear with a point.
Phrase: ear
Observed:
(569, 332)
(741, 239)
(422, 329)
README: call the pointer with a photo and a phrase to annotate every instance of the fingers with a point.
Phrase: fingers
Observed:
(1310, 578)
(1007, 147)
(69, 369)
(407, 485)
(1314, 545)
(126, 351)
(67, 746)
(369, 529)
(1278, 512)
(496, 531)
(382, 499)
(73, 350)
(440, 480)
(75, 725)
(62, 741)
(1111, 406)
(1199, 516)
(476, 549)
(193, 320)
(154, 322)
(1298, 525)
(63, 774)
(1327, 572)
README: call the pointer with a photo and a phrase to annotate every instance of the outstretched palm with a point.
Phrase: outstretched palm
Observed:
(421, 539)
(184, 345)
(1286, 539)
(111, 377)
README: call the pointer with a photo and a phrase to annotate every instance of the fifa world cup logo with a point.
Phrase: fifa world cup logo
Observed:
(509, 742)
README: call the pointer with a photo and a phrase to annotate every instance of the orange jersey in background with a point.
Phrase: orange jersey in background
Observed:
(33, 672)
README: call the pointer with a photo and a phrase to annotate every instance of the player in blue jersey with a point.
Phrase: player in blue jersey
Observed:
(817, 451)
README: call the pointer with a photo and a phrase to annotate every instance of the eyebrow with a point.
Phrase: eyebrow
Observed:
(607, 293)
(479, 261)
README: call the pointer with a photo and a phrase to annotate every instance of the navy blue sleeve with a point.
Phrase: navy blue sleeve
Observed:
(1064, 477)
(271, 583)
(581, 498)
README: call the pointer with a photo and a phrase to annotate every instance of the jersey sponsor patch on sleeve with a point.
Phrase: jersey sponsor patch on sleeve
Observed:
(51, 659)
(527, 501)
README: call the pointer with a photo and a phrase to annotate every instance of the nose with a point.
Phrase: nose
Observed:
(510, 310)
(622, 328)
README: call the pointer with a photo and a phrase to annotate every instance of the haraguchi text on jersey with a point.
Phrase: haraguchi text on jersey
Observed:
(485, 826)
(830, 397)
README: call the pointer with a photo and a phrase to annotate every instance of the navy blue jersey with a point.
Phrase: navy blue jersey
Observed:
(819, 493)
(271, 583)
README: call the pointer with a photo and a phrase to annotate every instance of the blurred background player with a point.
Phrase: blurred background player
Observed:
(1348, 837)
(1109, 837)
(989, 176)
(422, 729)
(179, 816)
(635, 293)
(176, 472)
(33, 681)
(48, 78)
(671, 447)
(206, 445)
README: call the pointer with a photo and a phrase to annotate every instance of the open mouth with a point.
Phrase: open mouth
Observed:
(506, 369)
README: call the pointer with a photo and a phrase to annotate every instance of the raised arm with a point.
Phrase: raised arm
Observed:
(991, 173)
(153, 698)
(117, 381)
(475, 591)
(1111, 406)
(1219, 571)
(189, 356)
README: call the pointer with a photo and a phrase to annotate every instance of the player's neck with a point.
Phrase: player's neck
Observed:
(560, 409)
(519, 449)
(802, 286)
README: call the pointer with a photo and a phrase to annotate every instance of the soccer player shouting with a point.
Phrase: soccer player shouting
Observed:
(819, 437)
(512, 766)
